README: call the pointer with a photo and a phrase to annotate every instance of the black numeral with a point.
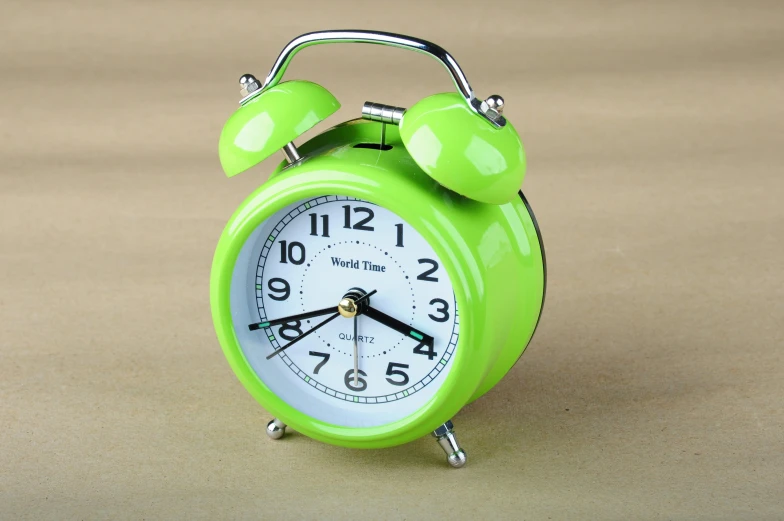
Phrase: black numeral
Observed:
(426, 274)
(314, 225)
(399, 235)
(288, 253)
(430, 352)
(278, 286)
(392, 371)
(349, 380)
(294, 325)
(444, 310)
(319, 365)
(361, 224)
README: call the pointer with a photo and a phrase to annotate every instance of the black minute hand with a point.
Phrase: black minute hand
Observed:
(301, 316)
(400, 327)
(316, 327)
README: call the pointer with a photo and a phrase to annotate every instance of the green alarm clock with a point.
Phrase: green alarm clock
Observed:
(389, 272)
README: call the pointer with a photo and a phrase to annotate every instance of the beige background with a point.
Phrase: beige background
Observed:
(653, 389)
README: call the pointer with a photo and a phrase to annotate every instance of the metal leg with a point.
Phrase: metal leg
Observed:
(446, 438)
(276, 429)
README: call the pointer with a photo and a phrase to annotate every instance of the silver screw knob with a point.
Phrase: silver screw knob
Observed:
(248, 84)
(496, 103)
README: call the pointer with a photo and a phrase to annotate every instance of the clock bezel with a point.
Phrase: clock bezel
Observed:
(323, 175)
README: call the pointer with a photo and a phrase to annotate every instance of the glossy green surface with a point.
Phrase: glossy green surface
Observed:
(462, 151)
(491, 253)
(277, 116)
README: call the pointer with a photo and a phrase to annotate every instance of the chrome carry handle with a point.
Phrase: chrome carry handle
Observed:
(489, 109)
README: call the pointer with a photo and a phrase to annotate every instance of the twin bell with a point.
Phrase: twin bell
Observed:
(463, 143)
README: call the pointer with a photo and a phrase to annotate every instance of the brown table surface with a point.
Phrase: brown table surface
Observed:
(654, 386)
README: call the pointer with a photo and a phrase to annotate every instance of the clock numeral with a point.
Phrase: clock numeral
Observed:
(287, 252)
(392, 371)
(399, 235)
(319, 365)
(430, 352)
(314, 225)
(349, 380)
(361, 224)
(426, 274)
(279, 286)
(294, 325)
(444, 310)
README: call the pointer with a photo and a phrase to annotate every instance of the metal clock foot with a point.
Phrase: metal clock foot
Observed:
(446, 438)
(276, 429)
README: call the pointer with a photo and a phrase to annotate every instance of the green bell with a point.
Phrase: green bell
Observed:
(462, 151)
(269, 121)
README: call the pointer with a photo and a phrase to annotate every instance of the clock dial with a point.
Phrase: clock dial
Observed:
(292, 273)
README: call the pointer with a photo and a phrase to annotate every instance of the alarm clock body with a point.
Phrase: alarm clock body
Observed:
(467, 273)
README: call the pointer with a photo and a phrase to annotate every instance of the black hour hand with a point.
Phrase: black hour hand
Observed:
(401, 327)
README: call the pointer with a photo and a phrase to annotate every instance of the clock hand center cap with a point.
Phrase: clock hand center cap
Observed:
(347, 308)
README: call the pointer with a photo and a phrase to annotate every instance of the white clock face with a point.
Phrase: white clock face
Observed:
(305, 259)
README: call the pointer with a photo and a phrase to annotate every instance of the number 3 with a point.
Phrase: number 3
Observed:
(443, 310)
